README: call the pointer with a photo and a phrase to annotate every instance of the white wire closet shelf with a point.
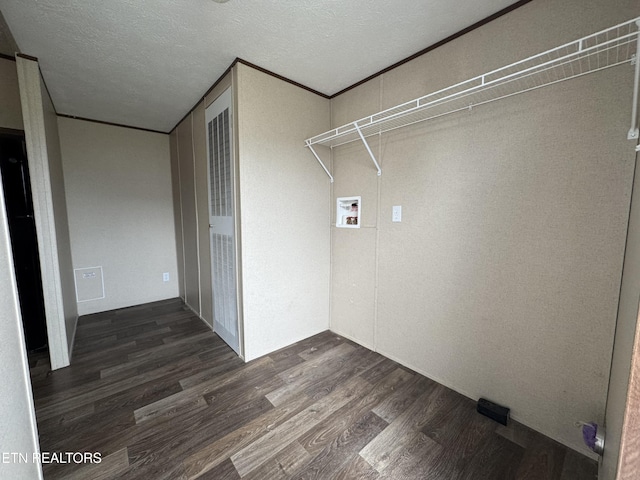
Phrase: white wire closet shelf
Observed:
(605, 49)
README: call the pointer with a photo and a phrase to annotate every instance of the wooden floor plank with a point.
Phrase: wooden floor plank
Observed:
(304, 345)
(159, 395)
(264, 448)
(291, 459)
(75, 397)
(380, 370)
(167, 404)
(318, 348)
(175, 407)
(308, 373)
(67, 418)
(542, 461)
(397, 403)
(81, 435)
(212, 454)
(357, 468)
(326, 431)
(112, 466)
(223, 471)
(402, 430)
(176, 440)
(495, 459)
(210, 379)
(410, 461)
(575, 468)
(337, 454)
(361, 361)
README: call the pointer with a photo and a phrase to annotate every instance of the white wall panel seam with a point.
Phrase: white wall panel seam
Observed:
(378, 217)
(195, 200)
(184, 262)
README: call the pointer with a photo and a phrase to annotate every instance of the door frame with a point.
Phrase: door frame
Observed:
(629, 460)
(47, 225)
(20, 134)
(227, 96)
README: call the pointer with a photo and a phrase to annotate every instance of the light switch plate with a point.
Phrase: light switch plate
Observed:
(396, 215)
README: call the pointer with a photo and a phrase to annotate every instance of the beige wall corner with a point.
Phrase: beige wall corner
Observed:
(10, 110)
(47, 183)
(177, 209)
(284, 213)
(190, 227)
(233, 83)
(121, 214)
(224, 83)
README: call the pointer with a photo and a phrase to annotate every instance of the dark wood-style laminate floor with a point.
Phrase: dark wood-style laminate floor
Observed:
(162, 397)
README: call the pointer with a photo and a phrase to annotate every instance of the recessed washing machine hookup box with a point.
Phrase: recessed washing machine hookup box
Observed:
(348, 212)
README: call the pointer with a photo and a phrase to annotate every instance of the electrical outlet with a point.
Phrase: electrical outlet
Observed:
(396, 215)
(165, 277)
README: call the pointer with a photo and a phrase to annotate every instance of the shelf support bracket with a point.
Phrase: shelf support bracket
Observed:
(318, 159)
(633, 131)
(375, 162)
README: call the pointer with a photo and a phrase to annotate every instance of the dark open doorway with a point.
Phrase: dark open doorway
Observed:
(14, 171)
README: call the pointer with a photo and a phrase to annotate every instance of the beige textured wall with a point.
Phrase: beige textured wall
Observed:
(189, 214)
(503, 278)
(10, 111)
(18, 431)
(353, 261)
(284, 196)
(224, 83)
(118, 184)
(58, 196)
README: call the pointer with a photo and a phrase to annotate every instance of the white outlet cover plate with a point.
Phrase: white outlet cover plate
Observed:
(396, 215)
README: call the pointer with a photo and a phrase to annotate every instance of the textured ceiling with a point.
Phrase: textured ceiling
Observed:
(145, 63)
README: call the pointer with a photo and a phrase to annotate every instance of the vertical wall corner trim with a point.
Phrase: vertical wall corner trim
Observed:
(35, 135)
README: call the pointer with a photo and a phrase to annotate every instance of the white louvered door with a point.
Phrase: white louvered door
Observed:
(221, 219)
